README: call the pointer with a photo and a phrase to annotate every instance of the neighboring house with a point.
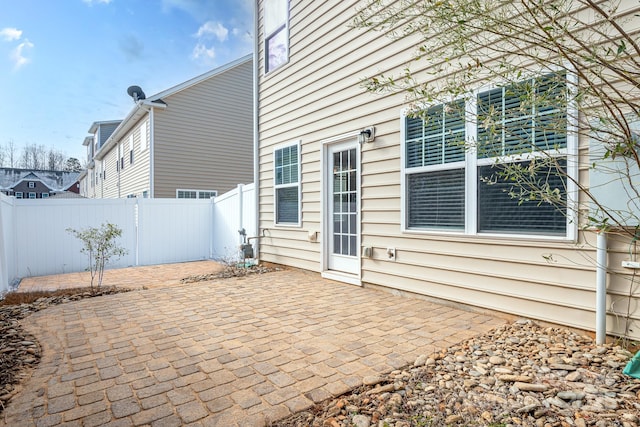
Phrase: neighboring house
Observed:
(100, 132)
(194, 140)
(343, 192)
(35, 184)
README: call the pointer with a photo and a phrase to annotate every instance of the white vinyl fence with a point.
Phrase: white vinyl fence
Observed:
(34, 240)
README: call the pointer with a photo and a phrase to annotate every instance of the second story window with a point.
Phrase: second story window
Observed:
(276, 34)
(32, 184)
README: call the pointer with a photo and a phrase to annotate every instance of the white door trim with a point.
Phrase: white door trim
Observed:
(326, 179)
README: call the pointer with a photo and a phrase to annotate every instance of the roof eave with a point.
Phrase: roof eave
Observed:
(141, 108)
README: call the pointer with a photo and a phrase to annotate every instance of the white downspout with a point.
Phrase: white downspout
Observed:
(240, 190)
(151, 158)
(256, 133)
(601, 287)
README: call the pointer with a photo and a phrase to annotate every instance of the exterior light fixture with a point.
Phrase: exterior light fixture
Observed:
(367, 135)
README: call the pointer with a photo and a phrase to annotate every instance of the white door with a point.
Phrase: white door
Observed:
(343, 212)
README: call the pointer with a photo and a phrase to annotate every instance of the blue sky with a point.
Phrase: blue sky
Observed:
(67, 63)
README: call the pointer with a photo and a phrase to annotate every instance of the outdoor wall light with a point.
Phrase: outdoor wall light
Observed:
(367, 135)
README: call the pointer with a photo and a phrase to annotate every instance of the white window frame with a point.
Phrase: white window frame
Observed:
(280, 25)
(44, 195)
(143, 135)
(19, 195)
(31, 184)
(296, 184)
(131, 148)
(472, 162)
(207, 194)
(33, 195)
(200, 194)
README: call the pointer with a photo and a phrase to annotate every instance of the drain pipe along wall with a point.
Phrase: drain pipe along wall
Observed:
(256, 133)
(601, 287)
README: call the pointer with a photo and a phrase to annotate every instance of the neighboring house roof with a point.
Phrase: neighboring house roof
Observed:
(143, 106)
(95, 125)
(55, 180)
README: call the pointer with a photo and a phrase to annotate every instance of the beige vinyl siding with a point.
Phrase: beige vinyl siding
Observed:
(204, 138)
(318, 95)
(111, 184)
(134, 178)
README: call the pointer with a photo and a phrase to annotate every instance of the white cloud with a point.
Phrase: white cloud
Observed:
(10, 34)
(17, 55)
(92, 2)
(201, 52)
(213, 29)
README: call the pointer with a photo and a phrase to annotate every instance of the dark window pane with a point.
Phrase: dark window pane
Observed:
(498, 212)
(287, 205)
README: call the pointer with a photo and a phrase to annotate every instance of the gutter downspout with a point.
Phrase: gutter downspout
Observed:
(601, 287)
(151, 158)
(256, 133)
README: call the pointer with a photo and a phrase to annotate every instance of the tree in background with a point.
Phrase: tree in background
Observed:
(37, 157)
(56, 160)
(72, 165)
(560, 55)
(10, 150)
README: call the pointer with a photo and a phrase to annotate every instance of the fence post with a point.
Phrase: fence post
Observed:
(136, 220)
(212, 225)
(4, 273)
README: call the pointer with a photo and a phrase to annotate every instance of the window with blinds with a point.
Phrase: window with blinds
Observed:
(286, 182)
(435, 154)
(498, 212)
(522, 118)
(450, 188)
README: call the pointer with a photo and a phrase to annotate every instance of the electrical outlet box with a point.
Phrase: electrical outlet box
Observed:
(391, 254)
(631, 264)
(367, 251)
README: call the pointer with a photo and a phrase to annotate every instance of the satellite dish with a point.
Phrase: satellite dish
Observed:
(136, 93)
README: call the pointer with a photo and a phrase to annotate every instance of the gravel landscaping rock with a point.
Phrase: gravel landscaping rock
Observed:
(517, 375)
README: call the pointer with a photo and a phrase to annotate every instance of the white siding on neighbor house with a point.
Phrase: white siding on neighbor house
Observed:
(110, 183)
(318, 95)
(134, 178)
(204, 138)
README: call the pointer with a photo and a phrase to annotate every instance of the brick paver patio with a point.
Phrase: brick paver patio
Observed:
(233, 352)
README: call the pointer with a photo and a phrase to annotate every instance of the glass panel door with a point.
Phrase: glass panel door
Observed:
(344, 208)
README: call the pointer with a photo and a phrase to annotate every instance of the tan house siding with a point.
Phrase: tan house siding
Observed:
(318, 95)
(204, 139)
(196, 136)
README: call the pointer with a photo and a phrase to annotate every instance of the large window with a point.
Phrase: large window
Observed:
(276, 34)
(286, 182)
(460, 159)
